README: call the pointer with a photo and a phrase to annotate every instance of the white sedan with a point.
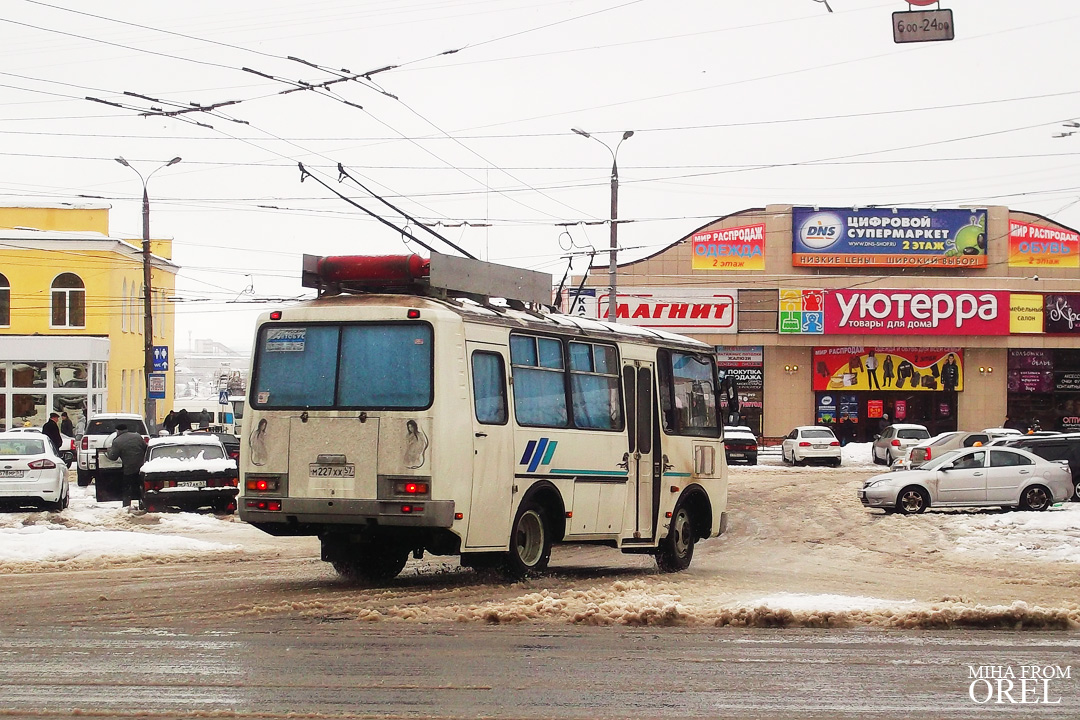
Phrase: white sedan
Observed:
(31, 473)
(811, 443)
(977, 476)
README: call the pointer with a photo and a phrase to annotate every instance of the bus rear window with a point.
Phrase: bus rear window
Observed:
(369, 365)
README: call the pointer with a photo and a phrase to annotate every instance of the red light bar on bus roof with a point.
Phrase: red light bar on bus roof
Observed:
(373, 270)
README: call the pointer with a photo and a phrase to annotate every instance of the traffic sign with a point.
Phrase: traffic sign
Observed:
(223, 397)
(922, 26)
(161, 358)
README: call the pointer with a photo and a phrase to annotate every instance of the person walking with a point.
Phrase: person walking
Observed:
(52, 430)
(66, 426)
(183, 422)
(170, 422)
(130, 449)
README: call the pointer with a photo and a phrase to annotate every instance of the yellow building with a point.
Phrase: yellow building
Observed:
(72, 314)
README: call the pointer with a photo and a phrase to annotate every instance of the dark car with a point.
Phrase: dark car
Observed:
(1055, 447)
(230, 441)
(188, 472)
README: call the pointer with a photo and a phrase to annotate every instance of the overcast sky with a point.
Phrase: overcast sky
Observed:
(734, 105)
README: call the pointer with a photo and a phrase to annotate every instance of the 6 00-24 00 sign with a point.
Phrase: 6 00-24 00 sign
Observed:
(921, 26)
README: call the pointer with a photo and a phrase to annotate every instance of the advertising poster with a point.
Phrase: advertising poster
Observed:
(900, 409)
(888, 237)
(895, 312)
(875, 409)
(1025, 314)
(737, 248)
(674, 309)
(826, 409)
(861, 368)
(1062, 314)
(1037, 246)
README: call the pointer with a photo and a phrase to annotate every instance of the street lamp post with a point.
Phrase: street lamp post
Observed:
(148, 306)
(613, 297)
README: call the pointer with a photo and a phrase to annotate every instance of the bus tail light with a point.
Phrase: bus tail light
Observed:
(268, 505)
(409, 509)
(261, 484)
(408, 487)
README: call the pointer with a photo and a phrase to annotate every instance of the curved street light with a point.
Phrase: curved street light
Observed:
(613, 298)
(148, 307)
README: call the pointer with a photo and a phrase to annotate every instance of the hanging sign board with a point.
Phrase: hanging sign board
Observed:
(922, 26)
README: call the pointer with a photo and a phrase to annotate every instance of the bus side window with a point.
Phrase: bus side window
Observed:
(489, 388)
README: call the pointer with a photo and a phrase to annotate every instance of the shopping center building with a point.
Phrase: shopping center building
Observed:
(955, 318)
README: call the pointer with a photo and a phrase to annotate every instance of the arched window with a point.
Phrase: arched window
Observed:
(5, 301)
(68, 301)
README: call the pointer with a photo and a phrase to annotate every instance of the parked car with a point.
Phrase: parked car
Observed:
(1065, 446)
(98, 429)
(67, 444)
(230, 441)
(811, 443)
(996, 432)
(940, 444)
(977, 476)
(31, 472)
(740, 444)
(188, 472)
(895, 440)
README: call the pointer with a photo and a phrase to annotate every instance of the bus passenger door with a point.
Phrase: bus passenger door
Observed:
(640, 426)
(493, 448)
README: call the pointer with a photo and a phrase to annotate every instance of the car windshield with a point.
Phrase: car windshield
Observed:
(15, 448)
(818, 433)
(187, 452)
(913, 434)
(938, 461)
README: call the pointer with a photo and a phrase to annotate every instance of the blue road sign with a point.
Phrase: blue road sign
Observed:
(223, 397)
(157, 387)
(161, 358)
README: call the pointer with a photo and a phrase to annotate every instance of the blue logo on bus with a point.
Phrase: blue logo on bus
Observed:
(537, 453)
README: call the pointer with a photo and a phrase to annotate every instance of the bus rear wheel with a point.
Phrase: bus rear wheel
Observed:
(530, 543)
(677, 549)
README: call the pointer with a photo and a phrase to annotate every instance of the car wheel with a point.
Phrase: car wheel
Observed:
(1076, 492)
(84, 477)
(530, 542)
(836, 462)
(888, 458)
(677, 549)
(873, 454)
(912, 500)
(1036, 498)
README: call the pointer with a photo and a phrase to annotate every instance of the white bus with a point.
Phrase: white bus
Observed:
(420, 417)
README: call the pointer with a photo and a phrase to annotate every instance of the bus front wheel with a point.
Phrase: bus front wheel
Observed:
(530, 542)
(677, 549)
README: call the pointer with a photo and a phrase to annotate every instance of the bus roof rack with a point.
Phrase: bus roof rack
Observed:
(440, 276)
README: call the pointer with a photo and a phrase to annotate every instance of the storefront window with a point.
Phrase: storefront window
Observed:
(29, 410)
(3, 374)
(73, 405)
(69, 374)
(28, 374)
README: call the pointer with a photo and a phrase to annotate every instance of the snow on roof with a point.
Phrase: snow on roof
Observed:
(203, 438)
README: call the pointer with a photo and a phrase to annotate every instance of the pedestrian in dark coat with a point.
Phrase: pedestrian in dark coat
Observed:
(66, 426)
(183, 422)
(170, 422)
(130, 449)
(52, 430)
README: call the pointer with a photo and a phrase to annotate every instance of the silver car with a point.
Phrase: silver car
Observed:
(894, 442)
(977, 476)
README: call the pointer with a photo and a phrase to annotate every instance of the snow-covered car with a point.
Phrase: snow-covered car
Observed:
(940, 444)
(67, 444)
(188, 472)
(976, 476)
(895, 440)
(31, 473)
(811, 443)
(740, 444)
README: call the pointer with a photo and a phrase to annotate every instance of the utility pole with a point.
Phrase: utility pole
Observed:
(148, 298)
(613, 297)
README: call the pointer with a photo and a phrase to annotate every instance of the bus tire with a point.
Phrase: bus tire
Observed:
(677, 549)
(530, 542)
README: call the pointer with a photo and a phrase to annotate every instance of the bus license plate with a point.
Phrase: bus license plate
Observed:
(191, 483)
(334, 471)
